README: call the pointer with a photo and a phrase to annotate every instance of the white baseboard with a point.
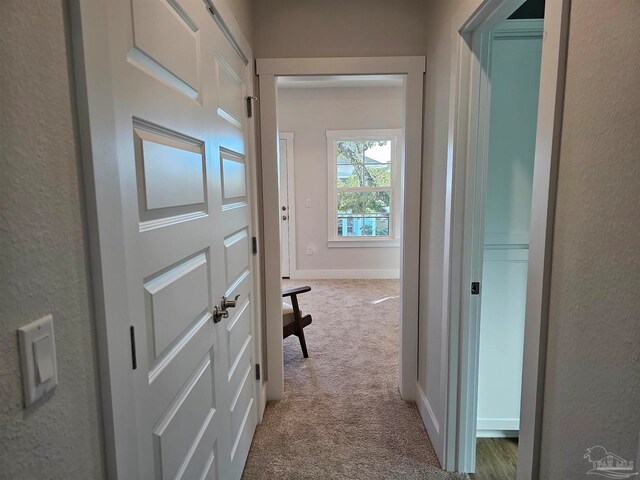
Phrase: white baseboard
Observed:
(430, 421)
(498, 424)
(497, 434)
(263, 403)
(364, 274)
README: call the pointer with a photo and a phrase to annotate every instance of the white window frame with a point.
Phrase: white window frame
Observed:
(395, 135)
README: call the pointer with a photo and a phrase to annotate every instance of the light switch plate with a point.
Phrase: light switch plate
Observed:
(38, 358)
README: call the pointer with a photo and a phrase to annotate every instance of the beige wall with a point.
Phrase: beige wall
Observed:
(592, 393)
(332, 109)
(43, 250)
(242, 10)
(341, 28)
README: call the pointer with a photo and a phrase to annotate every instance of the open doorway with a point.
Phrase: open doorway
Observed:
(511, 56)
(474, 25)
(347, 136)
(411, 72)
(341, 192)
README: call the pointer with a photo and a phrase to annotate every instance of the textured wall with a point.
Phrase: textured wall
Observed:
(339, 28)
(333, 109)
(592, 394)
(43, 265)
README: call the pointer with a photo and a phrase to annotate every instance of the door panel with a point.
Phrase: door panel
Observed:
(166, 42)
(183, 196)
(175, 300)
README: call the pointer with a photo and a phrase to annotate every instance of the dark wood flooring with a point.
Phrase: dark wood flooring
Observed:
(496, 459)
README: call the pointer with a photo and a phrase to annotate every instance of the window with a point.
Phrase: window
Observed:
(362, 177)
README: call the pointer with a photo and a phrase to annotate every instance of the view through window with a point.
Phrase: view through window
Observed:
(363, 186)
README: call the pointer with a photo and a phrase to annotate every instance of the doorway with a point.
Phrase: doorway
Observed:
(412, 70)
(469, 133)
(511, 56)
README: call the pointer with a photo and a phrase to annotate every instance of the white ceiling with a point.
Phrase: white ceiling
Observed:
(335, 81)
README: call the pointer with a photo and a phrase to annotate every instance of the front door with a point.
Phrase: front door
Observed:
(285, 268)
(178, 100)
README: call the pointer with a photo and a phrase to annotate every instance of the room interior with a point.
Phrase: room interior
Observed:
(48, 243)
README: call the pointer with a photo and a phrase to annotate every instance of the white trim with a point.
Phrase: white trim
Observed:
(340, 66)
(472, 19)
(498, 434)
(364, 242)
(426, 412)
(263, 398)
(477, 164)
(548, 136)
(366, 134)
(91, 47)
(254, 204)
(364, 274)
(413, 69)
(509, 424)
(289, 137)
(271, 235)
(395, 136)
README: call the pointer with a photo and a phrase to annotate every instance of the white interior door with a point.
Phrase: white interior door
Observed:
(285, 211)
(180, 199)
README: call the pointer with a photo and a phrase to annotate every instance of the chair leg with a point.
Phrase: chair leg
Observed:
(303, 342)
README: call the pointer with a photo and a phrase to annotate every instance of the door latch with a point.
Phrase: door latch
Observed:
(220, 312)
(475, 288)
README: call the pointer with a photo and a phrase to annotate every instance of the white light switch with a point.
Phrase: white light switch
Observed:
(43, 353)
(307, 203)
(38, 356)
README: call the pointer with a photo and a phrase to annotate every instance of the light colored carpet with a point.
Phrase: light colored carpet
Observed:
(342, 415)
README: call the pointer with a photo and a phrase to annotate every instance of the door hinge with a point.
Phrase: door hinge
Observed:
(475, 288)
(257, 371)
(132, 335)
(250, 100)
(254, 245)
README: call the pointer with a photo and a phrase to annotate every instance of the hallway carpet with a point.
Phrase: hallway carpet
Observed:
(342, 416)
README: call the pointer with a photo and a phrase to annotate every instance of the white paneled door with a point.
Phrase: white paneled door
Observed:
(175, 87)
(285, 213)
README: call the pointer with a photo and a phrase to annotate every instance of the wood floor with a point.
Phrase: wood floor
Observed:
(496, 459)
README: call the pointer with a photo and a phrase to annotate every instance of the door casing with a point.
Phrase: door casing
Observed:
(413, 68)
(476, 186)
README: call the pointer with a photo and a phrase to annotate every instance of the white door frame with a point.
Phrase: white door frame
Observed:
(268, 69)
(478, 157)
(95, 85)
(472, 19)
(291, 199)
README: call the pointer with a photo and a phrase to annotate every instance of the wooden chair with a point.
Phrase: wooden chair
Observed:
(293, 321)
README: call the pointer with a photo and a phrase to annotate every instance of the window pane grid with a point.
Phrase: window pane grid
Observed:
(363, 186)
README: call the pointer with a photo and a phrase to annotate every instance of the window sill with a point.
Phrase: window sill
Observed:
(364, 243)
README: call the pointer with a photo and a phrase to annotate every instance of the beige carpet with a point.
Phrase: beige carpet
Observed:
(342, 415)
